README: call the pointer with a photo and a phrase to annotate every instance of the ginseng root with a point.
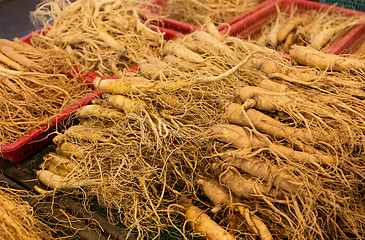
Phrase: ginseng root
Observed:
(242, 138)
(55, 181)
(201, 223)
(311, 57)
(266, 124)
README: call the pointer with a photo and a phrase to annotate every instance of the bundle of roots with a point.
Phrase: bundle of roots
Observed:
(290, 151)
(17, 220)
(287, 162)
(140, 146)
(34, 87)
(105, 36)
(312, 28)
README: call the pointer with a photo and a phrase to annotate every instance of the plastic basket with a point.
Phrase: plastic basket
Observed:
(250, 24)
(39, 137)
(358, 5)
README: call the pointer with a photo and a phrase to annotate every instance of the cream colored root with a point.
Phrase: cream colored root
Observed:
(255, 223)
(218, 46)
(212, 29)
(12, 86)
(71, 150)
(273, 86)
(266, 100)
(289, 41)
(243, 139)
(117, 45)
(311, 57)
(17, 45)
(266, 124)
(237, 136)
(179, 50)
(153, 66)
(125, 85)
(125, 104)
(220, 196)
(59, 162)
(272, 39)
(262, 170)
(15, 56)
(315, 159)
(55, 181)
(240, 185)
(225, 74)
(10, 63)
(146, 31)
(4, 72)
(84, 133)
(284, 31)
(142, 85)
(99, 111)
(216, 193)
(201, 223)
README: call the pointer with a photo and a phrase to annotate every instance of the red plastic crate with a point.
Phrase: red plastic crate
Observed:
(40, 136)
(251, 23)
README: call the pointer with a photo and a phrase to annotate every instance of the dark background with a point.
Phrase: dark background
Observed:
(15, 19)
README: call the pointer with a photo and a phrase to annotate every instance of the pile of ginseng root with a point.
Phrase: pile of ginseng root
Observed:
(35, 85)
(305, 28)
(17, 219)
(141, 146)
(230, 135)
(104, 36)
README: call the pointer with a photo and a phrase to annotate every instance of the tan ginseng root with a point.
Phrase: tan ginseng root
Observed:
(245, 138)
(107, 37)
(335, 115)
(135, 84)
(235, 114)
(308, 189)
(201, 224)
(18, 220)
(277, 98)
(309, 56)
(266, 171)
(342, 84)
(276, 35)
(221, 197)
